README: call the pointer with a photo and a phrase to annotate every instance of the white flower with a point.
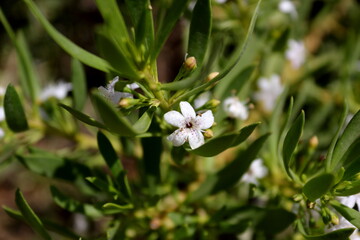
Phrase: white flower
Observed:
(269, 91)
(58, 90)
(296, 53)
(114, 96)
(234, 108)
(288, 7)
(190, 125)
(257, 170)
(2, 114)
(202, 99)
(344, 223)
(350, 201)
(2, 133)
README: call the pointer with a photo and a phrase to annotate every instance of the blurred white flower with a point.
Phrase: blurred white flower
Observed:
(343, 223)
(202, 99)
(257, 170)
(57, 90)
(234, 108)
(2, 133)
(2, 114)
(220, 1)
(2, 91)
(190, 125)
(288, 7)
(115, 96)
(350, 201)
(269, 91)
(296, 53)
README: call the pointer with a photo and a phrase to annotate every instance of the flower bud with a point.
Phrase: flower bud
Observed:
(128, 102)
(208, 133)
(190, 63)
(313, 142)
(211, 76)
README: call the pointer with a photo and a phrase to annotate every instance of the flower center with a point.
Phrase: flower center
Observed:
(189, 125)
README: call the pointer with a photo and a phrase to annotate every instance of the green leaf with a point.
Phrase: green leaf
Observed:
(14, 111)
(119, 59)
(152, 149)
(83, 117)
(111, 117)
(144, 122)
(350, 135)
(71, 48)
(172, 14)
(352, 215)
(79, 84)
(30, 217)
(275, 220)
(341, 234)
(72, 205)
(329, 163)
(28, 78)
(227, 69)
(113, 208)
(351, 188)
(200, 28)
(231, 173)
(109, 154)
(318, 186)
(103, 186)
(291, 141)
(51, 226)
(217, 145)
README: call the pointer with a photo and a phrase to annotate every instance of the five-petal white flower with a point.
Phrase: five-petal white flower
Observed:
(234, 108)
(190, 125)
(269, 91)
(115, 96)
(296, 53)
(57, 90)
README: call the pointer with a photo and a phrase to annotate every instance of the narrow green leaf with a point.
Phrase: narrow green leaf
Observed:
(352, 188)
(231, 173)
(350, 135)
(341, 234)
(71, 48)
(28, 78)
(14, 111)
(291, 141)
(143, 123)
(352, 215)
(229, 68)
(275, 220)
(111, 117)
(30, 217)
(217, 145)
(117, 58)
(113, 208)
(172, 15)
(200, 28)
(318, 186)
(329, 163)
(78, 80)
(51, 226)
(109, 154)
(83, 117)
(73, 205)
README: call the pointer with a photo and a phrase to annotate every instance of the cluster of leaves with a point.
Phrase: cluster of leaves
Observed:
(166, 199)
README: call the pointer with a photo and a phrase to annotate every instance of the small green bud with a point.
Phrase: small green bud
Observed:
(209, 133)
(190, 63)
(313, 142)
(128, 102)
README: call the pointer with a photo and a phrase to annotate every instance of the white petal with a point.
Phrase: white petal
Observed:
(195, 138)
(175, 118)
(204, 120)
(178, 137)
(187, 111)
(202, 99)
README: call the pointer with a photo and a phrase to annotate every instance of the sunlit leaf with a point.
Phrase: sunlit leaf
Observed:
(83, 117)
(352, 215)
(144, 122)
(14, 111)
(318, 186)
